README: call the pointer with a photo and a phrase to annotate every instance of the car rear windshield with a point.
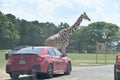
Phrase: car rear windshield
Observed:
(30, 50)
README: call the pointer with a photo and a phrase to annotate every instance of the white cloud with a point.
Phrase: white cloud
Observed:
(116, 5)
(57, 11)
(112, 18)
(89, 3)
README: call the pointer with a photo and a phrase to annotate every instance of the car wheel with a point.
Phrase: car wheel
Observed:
(68, 69)
(50, 71)
(116, 74)
(38, 75)
(14, 76)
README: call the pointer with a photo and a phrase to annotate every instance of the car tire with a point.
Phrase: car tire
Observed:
(38, 75)
(49, 71)
(116, 74)
(14, 76)
(68, 69)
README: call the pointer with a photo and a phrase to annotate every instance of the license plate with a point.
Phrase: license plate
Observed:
(22, 62)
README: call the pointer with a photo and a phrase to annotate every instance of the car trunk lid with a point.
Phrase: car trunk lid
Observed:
(23, 61)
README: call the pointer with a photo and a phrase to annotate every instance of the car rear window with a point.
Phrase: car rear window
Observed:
(30, 50)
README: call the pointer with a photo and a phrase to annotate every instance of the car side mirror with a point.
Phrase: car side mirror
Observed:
(63, 55)
(7, 54)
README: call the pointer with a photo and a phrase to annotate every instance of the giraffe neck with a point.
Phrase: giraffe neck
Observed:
(77, 23)
(73, 28)
(66, 33)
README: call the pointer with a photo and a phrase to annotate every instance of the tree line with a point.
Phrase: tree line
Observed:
(15, 31)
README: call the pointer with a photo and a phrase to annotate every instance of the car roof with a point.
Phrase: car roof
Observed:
(45, 48)
(41, 47)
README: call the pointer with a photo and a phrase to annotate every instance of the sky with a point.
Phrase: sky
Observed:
(57, 11)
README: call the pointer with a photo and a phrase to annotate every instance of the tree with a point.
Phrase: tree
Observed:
(8, 33)
(82, 40)
(95, 32)
(104, 32)
(62, 26)
(34, 36)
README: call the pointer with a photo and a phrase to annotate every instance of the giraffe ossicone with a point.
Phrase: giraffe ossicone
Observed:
(61, 39)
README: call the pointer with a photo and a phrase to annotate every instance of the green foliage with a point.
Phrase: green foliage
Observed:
(104, 32)
(21, 32)
(86, 37)
(14, 31)
(8, 33)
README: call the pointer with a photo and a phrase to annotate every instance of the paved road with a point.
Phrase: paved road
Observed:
(90, 73)
(79, 73)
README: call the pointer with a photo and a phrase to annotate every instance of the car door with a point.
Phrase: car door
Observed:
(53, 58)
(60, 60)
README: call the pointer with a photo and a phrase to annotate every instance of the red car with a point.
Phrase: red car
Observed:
(117, 68)
(38, 60)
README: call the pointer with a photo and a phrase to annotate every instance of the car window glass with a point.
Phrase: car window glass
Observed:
(30, 50)
(57, 53)
(50, 52)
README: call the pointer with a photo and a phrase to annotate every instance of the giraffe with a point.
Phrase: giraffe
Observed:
(61, 39)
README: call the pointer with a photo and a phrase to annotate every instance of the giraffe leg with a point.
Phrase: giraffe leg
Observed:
(64, 50)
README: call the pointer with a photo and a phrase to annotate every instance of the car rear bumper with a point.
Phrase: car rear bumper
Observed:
(117, 67)
(35, 68)
(117, 70)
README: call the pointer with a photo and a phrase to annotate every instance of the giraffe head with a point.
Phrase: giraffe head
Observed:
(84, 16)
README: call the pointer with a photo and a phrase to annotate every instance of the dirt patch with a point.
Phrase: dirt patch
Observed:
(3, 74)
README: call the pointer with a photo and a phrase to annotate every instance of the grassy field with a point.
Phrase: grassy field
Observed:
(76, 58)
(2, 58)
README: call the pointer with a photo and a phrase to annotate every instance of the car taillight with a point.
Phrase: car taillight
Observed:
(118, 59)
(9, 61)
(39, 59)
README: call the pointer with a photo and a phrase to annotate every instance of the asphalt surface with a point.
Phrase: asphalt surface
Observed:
(104, 72)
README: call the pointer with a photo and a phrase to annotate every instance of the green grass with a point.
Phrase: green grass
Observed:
(2, 58)
(76, 58)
